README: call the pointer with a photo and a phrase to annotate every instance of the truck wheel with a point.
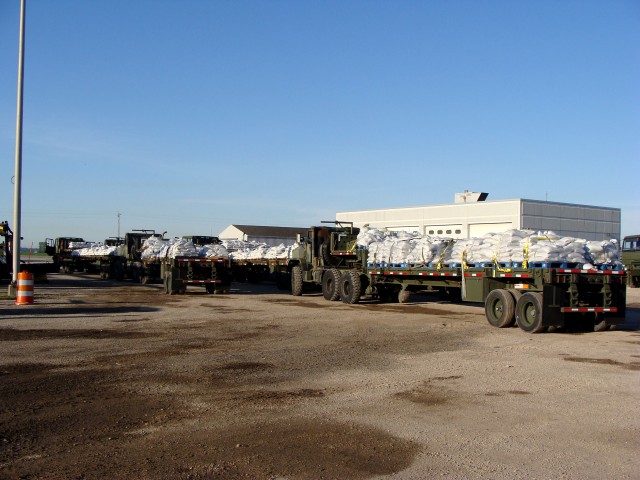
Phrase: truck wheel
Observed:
(145, 279)
(210, 287)
(600, 324)
(296, 281)
(331, 284)
(350, 287)
(404, 296)
(499, 308)
(328, 259)
(529, 312)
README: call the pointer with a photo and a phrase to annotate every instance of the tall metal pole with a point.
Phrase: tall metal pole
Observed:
(17, 197)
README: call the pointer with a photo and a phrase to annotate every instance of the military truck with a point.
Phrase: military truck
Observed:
(321, 258)
(213, 273)
(138, 269)
(631, 259)
(536, 296)
(62, 254)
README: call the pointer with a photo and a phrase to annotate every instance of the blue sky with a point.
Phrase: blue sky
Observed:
(187, 116)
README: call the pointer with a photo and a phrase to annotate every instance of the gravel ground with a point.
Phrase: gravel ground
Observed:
(112, 380)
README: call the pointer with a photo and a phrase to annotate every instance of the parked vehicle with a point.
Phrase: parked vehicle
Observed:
(631, 259)
(535, 297)
(213, 273)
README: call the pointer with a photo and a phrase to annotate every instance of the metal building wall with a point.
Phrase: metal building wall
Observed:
(582, 221)
(478, 218)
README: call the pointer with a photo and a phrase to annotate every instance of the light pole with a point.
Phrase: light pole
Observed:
(118, 215)
(17, 192)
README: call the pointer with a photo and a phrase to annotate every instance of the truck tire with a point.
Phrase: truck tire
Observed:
(529, 312)
(499, 308)
(331, 284)
(296, 281)
(600, 324)
(328, 259)
(210, 288)
(350, 287)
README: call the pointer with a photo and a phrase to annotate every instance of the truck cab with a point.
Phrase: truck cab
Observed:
(631, 259)
(60, 251)
(202, 240)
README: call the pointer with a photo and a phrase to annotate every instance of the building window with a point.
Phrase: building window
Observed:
(448, 232)
(431, 232)
(439, 232)
(458, 232)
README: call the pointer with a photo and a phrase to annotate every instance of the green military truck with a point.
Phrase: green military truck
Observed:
(61, 252)
(321, 257)
(535, 297)
(631, 259)
(211, 272)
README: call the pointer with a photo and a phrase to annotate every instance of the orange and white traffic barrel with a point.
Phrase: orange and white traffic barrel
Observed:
(25, 289)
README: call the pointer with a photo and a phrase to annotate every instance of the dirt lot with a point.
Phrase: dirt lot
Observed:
(113, 380)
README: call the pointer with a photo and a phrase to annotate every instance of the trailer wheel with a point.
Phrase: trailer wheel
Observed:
(350, 287)
(296, 281)
(331, 284)
(210, 288)
(499, 308)
(529, 312)
(600, 324)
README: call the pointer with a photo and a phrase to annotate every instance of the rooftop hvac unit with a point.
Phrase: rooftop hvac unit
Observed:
(470, 197)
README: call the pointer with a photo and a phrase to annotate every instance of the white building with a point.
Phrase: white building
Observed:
(472, 216)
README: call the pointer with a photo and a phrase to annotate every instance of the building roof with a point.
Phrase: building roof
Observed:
(268, 231)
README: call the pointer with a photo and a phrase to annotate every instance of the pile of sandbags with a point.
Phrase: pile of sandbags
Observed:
(262, 251)
(159, 248)
(213, 251)
(95, 250)
(512, 246)
(79, 245)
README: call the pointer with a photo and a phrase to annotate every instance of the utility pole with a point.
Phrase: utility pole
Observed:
(17, 191)
(118, 215)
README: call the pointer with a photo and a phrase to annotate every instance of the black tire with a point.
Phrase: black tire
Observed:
(135, 275)
(499, 308)
(404, 296)
(169, 280)
(145, 279)
(328, 259)
(529, 313)
(210, 287)
(350, 287)
(387, 293)
(600, 324)
(296, 280)
(331, 285)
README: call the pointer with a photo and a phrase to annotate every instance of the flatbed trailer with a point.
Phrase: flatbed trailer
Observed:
(213, 273)
(535, 297)
(109, 267)
(262, 269)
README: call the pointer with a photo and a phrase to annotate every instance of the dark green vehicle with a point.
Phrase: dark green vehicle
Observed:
(533, 297)
(631, 259)
(323, 257)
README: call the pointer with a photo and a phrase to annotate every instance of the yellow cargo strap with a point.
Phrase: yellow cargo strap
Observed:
(525, 252)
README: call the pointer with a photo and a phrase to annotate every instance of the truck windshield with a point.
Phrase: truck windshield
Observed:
(631, 243)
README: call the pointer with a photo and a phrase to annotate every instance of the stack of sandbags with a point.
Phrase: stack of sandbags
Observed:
(213, 251)
(154, 248)
(604, 252)
(95, 250)
(369, 235)
(179, 247)
(79, 245)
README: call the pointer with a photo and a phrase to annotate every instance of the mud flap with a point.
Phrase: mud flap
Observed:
(553, 299)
